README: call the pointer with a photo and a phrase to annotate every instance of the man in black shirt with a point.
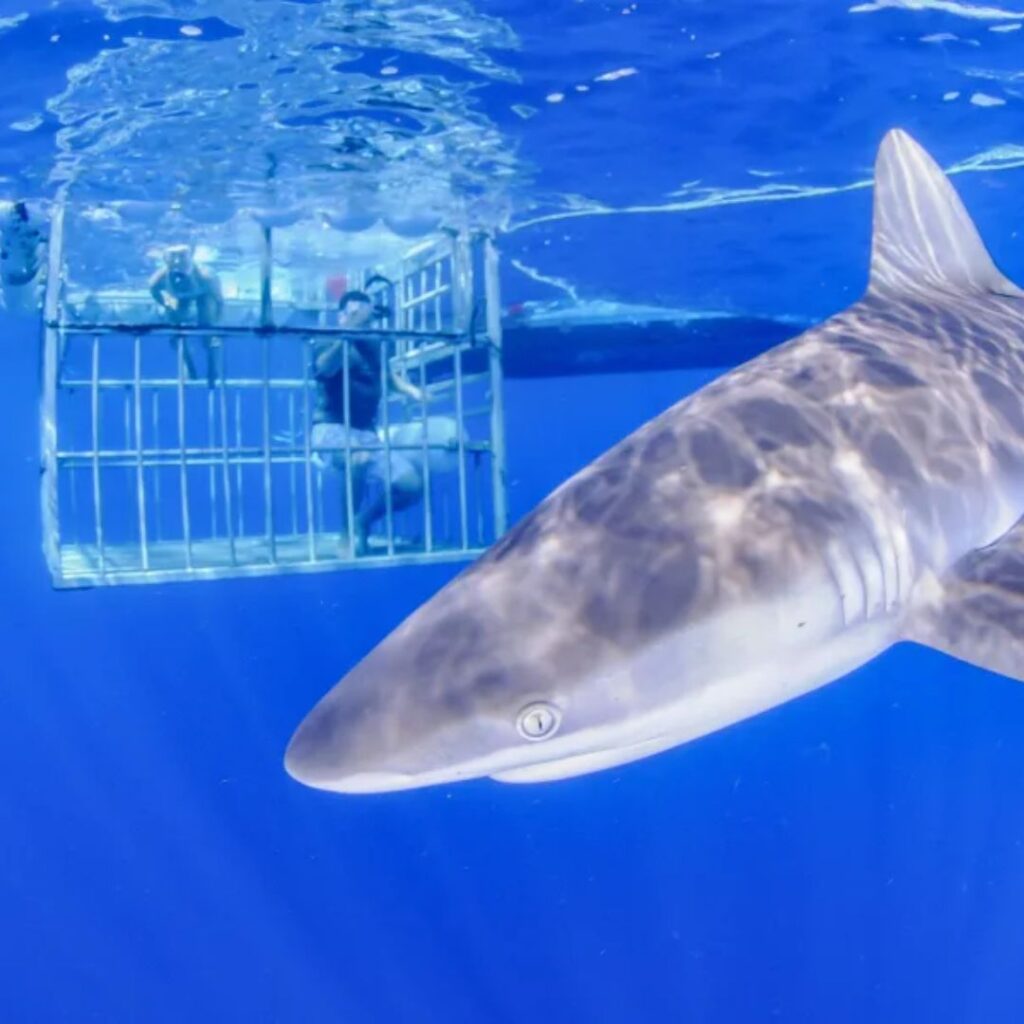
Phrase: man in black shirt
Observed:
(365, 391)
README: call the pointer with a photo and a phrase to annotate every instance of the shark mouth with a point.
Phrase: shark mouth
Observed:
(584, 764)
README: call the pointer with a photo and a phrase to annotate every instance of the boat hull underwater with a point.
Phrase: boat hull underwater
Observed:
(859, 485)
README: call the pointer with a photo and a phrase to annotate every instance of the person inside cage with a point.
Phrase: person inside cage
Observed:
(333, 434)
(22, 257)
(188, 294)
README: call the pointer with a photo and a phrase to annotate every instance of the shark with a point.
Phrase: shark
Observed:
(855, 487)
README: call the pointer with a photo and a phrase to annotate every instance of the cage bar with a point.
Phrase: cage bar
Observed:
(140, 469)
(220, 470)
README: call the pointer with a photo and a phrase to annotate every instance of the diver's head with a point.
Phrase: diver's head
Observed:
(178, 259)
(355, 310)
(380, 287)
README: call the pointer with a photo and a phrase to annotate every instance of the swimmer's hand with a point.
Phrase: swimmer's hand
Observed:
(170, 301)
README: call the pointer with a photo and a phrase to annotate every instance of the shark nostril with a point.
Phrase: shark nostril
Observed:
(538, 721)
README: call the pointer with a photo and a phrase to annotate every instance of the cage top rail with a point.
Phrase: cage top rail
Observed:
(247, 330)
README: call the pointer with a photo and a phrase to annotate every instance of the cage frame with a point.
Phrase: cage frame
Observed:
(416, 345)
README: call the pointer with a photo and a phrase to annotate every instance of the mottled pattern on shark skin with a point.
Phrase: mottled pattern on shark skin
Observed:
(813, 488)
(730, 495)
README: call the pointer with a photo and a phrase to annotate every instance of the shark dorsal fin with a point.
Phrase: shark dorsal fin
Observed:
(923, 236)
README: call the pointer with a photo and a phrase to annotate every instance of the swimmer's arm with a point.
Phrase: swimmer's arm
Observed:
(330, 355)
(211, 283)
(403, 384)
(213, 290)
(156, 288)
(327, 357)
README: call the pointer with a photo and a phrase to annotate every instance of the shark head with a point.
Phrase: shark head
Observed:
(470, 687)
(759, 539)
(597, 632)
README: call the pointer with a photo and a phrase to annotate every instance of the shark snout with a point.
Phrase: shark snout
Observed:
(338, 747)
(319, 756)
(372, 733)
(306, 760)
(319, 774)
(325, 754)
(442, 700)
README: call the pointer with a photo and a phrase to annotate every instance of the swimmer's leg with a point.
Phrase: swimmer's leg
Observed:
(213, 360)
(406, 490)
(190, 366)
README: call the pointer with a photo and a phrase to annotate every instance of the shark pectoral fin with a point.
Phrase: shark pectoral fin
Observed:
(976, 613)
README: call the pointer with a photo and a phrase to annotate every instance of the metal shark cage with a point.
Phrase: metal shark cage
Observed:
(151, 474)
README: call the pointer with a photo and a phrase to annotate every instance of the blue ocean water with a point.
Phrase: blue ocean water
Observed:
(855, 855)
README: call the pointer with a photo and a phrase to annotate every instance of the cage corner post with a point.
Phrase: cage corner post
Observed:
(494, 338)
(267, 325)
(267, 278)
(49, 483)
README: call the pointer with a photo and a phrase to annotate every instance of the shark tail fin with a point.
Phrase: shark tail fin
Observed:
(923, 235)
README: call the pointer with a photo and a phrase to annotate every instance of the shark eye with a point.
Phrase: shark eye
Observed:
(538, 721)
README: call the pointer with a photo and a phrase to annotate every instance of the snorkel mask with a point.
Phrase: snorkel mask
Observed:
(178, 259)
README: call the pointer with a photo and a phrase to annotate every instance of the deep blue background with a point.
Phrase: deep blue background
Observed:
(857, 855)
